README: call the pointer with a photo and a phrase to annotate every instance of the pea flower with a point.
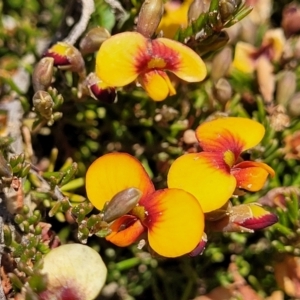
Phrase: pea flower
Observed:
(213, 175)
(172, 218)
(129, 56)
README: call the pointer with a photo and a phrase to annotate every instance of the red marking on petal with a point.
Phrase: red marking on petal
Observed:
(156, 57)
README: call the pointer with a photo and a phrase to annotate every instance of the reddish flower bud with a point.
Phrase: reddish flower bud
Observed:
(66, 57)
(99, 90)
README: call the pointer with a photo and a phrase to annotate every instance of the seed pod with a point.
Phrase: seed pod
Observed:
(149, 17)
(42, 74)
(121, 204)
(92, 41)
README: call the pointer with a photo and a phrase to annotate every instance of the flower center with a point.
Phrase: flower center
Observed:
(139, 212)
(229, 158)
(156, 63)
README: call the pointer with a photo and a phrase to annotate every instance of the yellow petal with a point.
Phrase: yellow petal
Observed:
(111, 174)
(175, 222)
(205, 176)
(235, 134)
(276, 39)
(244, 57)
(116, 58)
(157, 85)
(188, 66)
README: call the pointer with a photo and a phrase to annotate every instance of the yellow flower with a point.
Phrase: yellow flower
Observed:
(213, 175)
(172, 218)
(129, 56)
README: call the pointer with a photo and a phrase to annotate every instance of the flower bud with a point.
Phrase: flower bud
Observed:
(244, 218)
(195, 10)
(42, 74)
(286, 87)
(66, 57)
(99, 90)
(294, 105)
(92, 41)
(222, 90)
(43, 104)
(228, 8)
(290, 19)
(252, 216)
(121, 204)
(221, 63)
(149, 17)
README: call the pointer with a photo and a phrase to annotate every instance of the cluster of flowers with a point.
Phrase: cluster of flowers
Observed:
(173, 220)
(200, 184)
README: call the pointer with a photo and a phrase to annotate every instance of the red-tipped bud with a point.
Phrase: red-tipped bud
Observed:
(252, 216)
(100, 90)
(149, 17)
(244, 218)
(92, 41)
(42, 74)
(66, 57)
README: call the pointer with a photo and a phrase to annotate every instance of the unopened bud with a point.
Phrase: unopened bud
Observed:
(252, 216)
(294, 105)
(286, 87)
(149, 17)
(228, 8)
(121, 204)
(221, 63)
(99, 90)
(42, 74)
(222, 90)
(43, 104)
(92, 41)
(195, 10)
(290, 19)
(66, 57)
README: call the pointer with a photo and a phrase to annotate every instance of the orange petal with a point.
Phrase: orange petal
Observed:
(112, 173)
(244, 57)
(175, 222)
(188, 66)
(125, 231)
(235, 134)
(116, 59)
(250, 175)
(157, 84)
(204, 175)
